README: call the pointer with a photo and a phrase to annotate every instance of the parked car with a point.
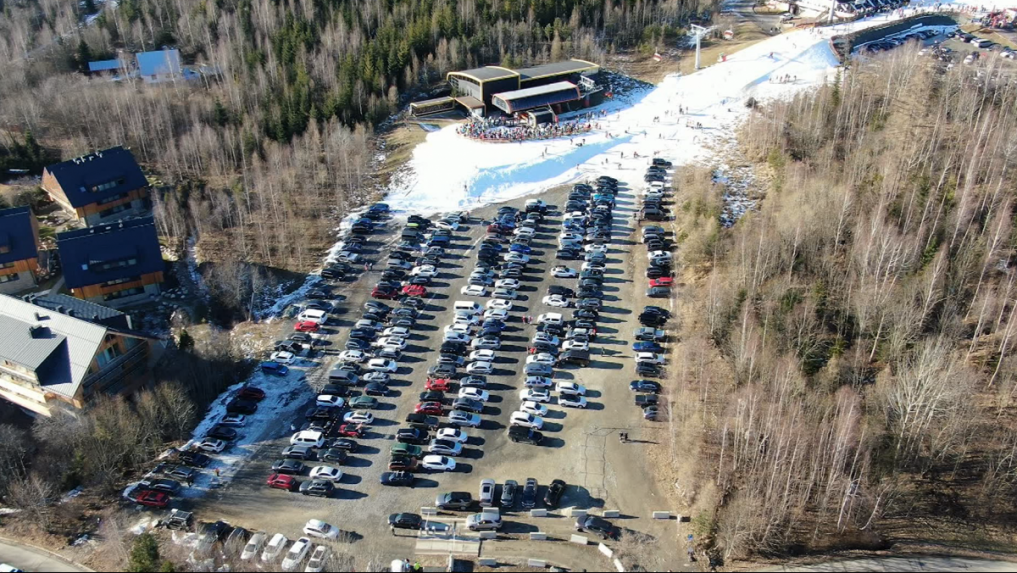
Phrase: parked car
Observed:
(555, 491)
(597, 525)
(455, 501)
(529, 496)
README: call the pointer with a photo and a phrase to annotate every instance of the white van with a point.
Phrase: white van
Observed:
(313, 315)
(310, 438)
(468, 306)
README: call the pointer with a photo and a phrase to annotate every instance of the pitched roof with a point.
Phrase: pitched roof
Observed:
(58, 348)
(160, 62)
(17, 235)
(78, 176)
(82, 309)
(120, 250)
(556, 69)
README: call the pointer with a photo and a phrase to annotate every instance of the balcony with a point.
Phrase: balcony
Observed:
(111, 378)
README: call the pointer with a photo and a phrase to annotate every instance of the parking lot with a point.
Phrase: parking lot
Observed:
(581, 446)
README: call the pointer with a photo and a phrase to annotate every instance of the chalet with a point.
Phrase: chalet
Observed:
(99, 188)
(19, 249)
(116, 264)
(83, 309)
(50, 360)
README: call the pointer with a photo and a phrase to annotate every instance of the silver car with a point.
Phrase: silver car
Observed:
(483, 521)
(487, 492)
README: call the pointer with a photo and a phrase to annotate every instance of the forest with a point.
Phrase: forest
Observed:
(846, 369)
(257, 161)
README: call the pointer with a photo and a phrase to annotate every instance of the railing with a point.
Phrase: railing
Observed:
(114, 372)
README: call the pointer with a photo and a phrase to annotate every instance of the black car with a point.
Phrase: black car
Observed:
(644, 386)
(647, 369)
(658, 272)
(194, 459)
(455, 501)
(432, 396)
(415, 436)
(397, 479)
(418, 419)
(454, 348)
(332, 273)
(651, 319)
(598, 525)
(178, 472)
(289, 346)
(222, 433)
(345, 444)
(657, 310)
(238, 406)
(567, 255)
(468, 405)
(317, 488)
(441, 371)
(405, 521)
(357, 344)
(563, 291)
(298, 453)
(643, 400)
(658, 292)
(320, 413)
(554, 492)
(529, 500)
(508, 493)
(288, 467)
(333, 455)
(591, 293)
(363, 333)
(170, 486)
(376, 389)
(589, 303)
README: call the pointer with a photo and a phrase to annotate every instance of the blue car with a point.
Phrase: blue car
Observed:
(647, 347)
(274, 368)
(379, 208)
(493, 324)
(517, 248)
(439, 240)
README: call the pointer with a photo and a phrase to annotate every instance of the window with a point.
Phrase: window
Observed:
(4, 249)
(114, 210)
(123, 293)
(107, 266)
(120, 281)
(112, 198)
(107, 185)
(8, 278)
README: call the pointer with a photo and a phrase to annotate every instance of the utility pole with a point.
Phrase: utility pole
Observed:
(833, 8)
(699, 31)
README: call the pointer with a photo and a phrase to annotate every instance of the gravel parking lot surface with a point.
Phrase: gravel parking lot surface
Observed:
(581, 447)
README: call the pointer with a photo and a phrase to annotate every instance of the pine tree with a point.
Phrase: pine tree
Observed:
(144, 554)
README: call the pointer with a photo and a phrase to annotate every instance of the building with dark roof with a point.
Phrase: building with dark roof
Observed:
(475, 89)
(83, 309)
(536, 97)
(116, 264)
(100, 187)
(19, 250)
(50, 360)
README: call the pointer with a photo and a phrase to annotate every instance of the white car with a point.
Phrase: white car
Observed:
(489, 343)
(382, 365)
(535, 395)
(507, 283)
(274, 548)
(569, 237)
(541, 358)
(326, 473)
(538, 382)
(460, 418)
(356, 356)
(296, 554)
(425, 271)
(479, 368)
(318, 560)
(453, 336)
(571, 400)
(254, 545)
(320, 529)
(358, 417)
(650, 357)
(505, 294)
(575, 345)
(467, 317)
(552, 318)
(546, 338)
(438, 463)
(212, 445)
(391, 342)
(474, 394)
(372, 324)
(570, 387)
(330, 401)
(563, 272)
(496, 313)
(556, 300)
(447, 225)
(534, 408)
(460, 327)
(526, 420)
(313, 315)
(482, 355)
(282, 357)
(499, 304)
(234, 420)
(593, 248)
(474, 290)
(454, 434)
(516, 258)
(588, 266)
(658, 255)
(396, 332)
(524, 231)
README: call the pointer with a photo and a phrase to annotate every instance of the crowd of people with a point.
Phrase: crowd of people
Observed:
(508, 129)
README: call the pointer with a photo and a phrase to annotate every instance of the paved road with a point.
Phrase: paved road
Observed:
(912, 563)
(31, 559)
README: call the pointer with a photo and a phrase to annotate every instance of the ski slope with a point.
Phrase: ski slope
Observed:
(450, 172)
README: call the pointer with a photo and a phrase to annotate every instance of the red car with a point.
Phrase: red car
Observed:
(414, 290)
(438, 384)
(153, 499)
(351, 431)
(280, 481)
(384, 293)
(662, 282)
(251, 393)
(307, 326)
(432, 408)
